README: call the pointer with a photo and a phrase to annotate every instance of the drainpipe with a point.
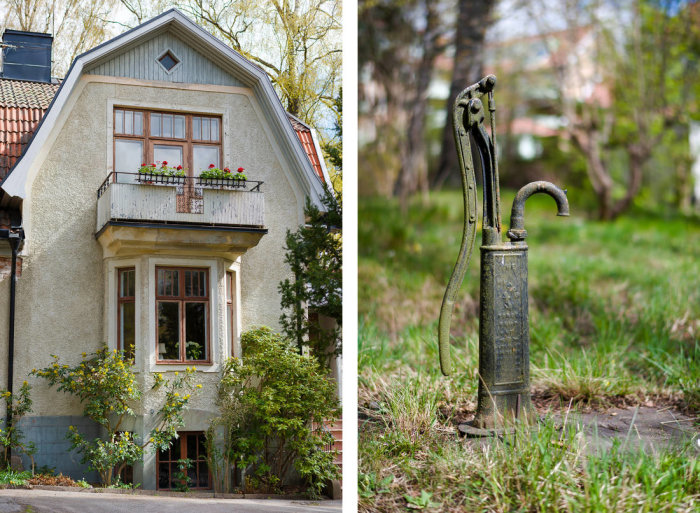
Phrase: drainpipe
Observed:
(15, 236)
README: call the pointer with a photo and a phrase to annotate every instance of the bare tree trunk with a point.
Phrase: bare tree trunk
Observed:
(472, 21)
(414, 167)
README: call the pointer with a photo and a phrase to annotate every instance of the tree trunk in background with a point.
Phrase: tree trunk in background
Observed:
(413, 174)
(472, 21)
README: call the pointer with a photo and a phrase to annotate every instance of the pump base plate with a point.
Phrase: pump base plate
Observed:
(472, 431)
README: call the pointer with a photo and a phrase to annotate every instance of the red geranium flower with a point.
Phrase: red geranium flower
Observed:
(143, 164)
(227, 170)
(240, 169)
(178, 167)
(211, 166)
(165, 162)
(153, 165)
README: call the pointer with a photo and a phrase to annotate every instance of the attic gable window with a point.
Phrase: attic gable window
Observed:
(168, 60)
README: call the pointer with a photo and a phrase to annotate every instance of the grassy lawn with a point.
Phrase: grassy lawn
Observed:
(614, 318)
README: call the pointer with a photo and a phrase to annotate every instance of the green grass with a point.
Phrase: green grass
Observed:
(614, 311)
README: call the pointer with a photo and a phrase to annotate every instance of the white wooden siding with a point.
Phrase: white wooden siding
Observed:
(149, 203)
(140, 62)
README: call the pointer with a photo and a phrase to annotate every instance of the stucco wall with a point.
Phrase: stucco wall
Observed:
(61, 294)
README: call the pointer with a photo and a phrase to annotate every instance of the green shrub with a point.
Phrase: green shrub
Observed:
(12, 437)
(105, 383)
(271, 403)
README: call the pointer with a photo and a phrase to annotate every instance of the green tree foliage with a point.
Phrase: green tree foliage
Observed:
(12, 437)
(106, 386)
(333, 147)
(296, 43)
(272, 403)
(624, 77)
(314, 254)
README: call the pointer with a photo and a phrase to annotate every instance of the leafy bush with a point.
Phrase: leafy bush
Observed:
(14, 478)
(105, 383)
(12, 438)
(271, 402)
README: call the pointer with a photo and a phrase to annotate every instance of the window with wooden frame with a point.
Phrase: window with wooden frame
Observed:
(182, 315)
(231, 309)
(192, 141)
(189, 446)
(126, 311)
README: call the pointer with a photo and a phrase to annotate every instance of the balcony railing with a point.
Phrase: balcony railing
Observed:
(135, 197)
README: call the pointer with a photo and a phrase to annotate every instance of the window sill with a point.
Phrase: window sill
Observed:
(179, 367)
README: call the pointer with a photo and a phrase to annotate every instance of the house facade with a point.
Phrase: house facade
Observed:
(174, 267)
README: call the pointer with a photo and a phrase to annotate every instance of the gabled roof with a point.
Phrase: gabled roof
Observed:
(291, 144)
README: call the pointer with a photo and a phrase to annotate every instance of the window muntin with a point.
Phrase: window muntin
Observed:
(142, 136)
(182, 307)
(189, 445)
(126, 311)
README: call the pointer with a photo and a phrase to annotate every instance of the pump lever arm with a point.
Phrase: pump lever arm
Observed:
(467, 123)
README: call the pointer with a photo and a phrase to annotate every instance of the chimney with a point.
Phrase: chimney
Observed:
(26, 56)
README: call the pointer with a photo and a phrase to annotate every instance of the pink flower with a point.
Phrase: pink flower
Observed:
(240, 169)
(211, 166)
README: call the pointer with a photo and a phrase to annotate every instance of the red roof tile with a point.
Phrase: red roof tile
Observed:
(22, 105)
(304, 134)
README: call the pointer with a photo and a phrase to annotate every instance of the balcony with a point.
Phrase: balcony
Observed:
(138, 212)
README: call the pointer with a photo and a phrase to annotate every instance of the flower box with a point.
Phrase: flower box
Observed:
(221, 183)
(160, 179)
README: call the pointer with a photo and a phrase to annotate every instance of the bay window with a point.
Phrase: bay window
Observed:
(182, 315)
(126, 311)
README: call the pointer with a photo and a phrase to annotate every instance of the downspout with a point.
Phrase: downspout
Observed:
(15, 236)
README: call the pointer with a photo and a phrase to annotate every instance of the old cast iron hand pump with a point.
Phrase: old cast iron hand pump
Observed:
(504, 339)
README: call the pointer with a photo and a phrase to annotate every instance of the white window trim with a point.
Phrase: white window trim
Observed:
(214, 312)
(235, 340)
(172, 52)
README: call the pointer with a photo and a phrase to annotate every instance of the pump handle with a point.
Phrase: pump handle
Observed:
(468, 118)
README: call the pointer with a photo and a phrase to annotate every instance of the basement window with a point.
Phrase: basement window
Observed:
(189, 446)
(168, 61)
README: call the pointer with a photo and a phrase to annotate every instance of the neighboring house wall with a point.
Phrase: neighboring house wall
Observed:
(65, 301)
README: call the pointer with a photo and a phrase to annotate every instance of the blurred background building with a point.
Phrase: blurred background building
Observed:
(601, 97)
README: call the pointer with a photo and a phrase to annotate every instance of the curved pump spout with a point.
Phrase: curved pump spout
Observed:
(517, 232)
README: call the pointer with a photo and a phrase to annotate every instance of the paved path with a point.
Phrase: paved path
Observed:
(45, 501)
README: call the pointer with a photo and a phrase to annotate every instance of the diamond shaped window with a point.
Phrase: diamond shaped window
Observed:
(168, 61)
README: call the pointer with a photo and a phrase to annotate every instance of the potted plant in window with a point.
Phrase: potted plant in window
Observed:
(214, 176)
(153, 174)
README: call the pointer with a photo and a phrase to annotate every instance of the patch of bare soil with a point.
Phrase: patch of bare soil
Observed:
(650, 422)
(545, 399)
